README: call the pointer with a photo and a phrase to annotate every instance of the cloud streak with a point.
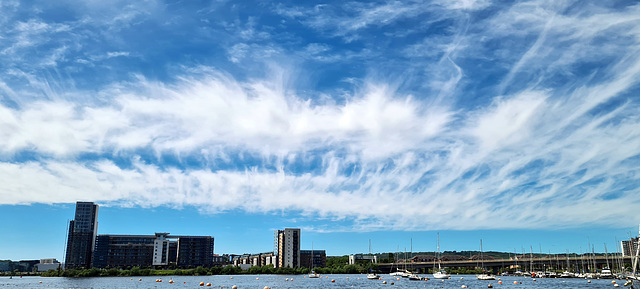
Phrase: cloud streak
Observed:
(524, 116)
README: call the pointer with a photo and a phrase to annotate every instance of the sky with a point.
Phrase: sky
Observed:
(390, 121)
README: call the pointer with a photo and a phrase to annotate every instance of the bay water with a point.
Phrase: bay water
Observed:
(297, 281)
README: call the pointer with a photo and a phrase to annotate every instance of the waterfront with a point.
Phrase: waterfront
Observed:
(299, 281)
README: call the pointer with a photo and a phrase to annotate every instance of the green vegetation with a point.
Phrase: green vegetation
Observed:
(199, 271)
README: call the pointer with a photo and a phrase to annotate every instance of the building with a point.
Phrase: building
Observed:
(194, 251)
(353, 259)
(313, 258)
(286, 248)
(423, 258)
(629, 247)
(159, 250)
(21, 266)
(48, 264)
(121, 251)
(260, 259)
(81, 238)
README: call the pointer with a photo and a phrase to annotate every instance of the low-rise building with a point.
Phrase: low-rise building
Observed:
(159, 250)
(357, 257)
(48, 264)
(313, 258)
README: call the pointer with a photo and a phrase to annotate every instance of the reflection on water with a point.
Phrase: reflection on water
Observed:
(295, 281)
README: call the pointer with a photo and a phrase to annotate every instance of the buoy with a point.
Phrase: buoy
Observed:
(616, 285)
(515, 282)
(131, 278)
(333, 281)
(347, 277)
(201, 283)
(171, 281)
(384, 282)
(588, 281)
(397, 279)
(284, 279)
(258, 278)
(533, 279)
(40, 282)
(392, 283)
(231, 277)
(461, 278)
(489, 286)
(234, 287)
(266, 287)
(140, 279)
(291, 279)
(613, 281)
(463, 286)
(209, 284)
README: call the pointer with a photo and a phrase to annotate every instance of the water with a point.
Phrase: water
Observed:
(299, 281)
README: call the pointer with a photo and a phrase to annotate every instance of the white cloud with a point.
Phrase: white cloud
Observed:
(545, 141)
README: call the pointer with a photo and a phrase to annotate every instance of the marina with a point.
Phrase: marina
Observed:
(299, 281)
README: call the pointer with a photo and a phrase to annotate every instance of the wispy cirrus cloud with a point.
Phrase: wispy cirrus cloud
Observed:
(526, 114)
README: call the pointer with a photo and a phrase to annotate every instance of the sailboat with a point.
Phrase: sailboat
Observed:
(372, 275)
(313, 273)
(398, 272)
(441, 273)
(484, 275)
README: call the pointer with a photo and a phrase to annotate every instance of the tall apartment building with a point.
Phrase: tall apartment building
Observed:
(81, 239)
(286, 247)
(161, 249)
(629, 247)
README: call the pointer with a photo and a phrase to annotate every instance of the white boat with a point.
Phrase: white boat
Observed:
(606, 274)
(373, 276)
(484, 275)
(313, 273)
(415, 277)
(441, 273)
(567, 274)
(400, 273)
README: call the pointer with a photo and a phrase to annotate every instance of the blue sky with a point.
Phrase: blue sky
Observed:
(516, 123)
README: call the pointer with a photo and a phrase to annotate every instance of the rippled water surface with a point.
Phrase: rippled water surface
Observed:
(297, 281)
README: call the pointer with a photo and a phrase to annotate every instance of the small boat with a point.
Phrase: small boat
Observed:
(486, 277)
(441, 273)
(373, 276)
(313, 274)
(606, 274)
(415, 277)
(567, 274)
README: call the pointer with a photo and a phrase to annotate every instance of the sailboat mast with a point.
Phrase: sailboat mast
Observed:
(438, 256)
(637, 256)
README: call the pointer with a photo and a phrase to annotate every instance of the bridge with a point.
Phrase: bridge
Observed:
(495, 265)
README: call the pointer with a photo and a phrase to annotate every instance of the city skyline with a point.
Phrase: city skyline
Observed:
(390, 121)
(258, 236)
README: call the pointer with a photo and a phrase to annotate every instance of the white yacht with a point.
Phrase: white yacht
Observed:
(606, 274)
(484, 275)
(441, 273)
